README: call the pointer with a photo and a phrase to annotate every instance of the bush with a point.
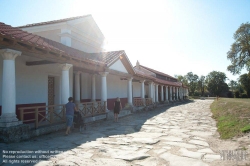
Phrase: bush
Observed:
(230, 94)
(197, 93)
(237, 94)
(244, 95)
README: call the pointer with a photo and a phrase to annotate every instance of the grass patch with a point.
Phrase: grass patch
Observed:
(246, 128)
(232, 116)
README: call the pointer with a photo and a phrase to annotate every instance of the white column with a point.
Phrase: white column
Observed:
(162, 93)
(173, 93)
(130, 100)
(170, 93)
(177, 93)
(65, 82)
(77, 87)
(93, 89)
(153, 92)
(142, 89)
(180, 93)
(149, 90)
(104, 86)
(156, 93)
(8, 117)
(167, 93)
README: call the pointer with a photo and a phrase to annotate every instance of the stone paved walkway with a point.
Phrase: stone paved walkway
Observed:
(178, 135)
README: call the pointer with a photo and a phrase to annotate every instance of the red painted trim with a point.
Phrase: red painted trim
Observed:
(110, 103)
(88, 100)
(29, 116)
(85, 100)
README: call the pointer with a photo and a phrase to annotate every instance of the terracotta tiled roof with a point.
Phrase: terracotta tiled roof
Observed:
(106, 57)
(38, 41)
(168, 82)
(52, 22)
(145, 73)
(157, 72)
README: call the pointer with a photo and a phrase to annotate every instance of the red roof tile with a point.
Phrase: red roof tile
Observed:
(107, 57)
(150, 74)
(52, 22)
(32, 39)
(157, 72)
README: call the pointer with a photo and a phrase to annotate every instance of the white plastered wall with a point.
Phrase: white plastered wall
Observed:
(118, 66)
(136, 89)
(32, 81)
(85, 86)
(116, 87)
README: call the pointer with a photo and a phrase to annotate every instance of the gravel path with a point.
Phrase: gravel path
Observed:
(181, 134)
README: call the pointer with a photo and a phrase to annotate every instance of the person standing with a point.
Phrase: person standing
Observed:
(117, 108)
(70, 108)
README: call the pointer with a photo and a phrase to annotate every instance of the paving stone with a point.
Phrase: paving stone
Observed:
(206, 150)
(175, 160)
(166, 147)
(211, 157)
(115, 143)
(128, 155)
(148, 141)
(182, 135)
(146, 135)
(191, 154)
(150, 161)
(198, 142)
(172, 138)
(149, 147)
(180, 144)
(179, 130)
(199, 138)
(158, 151)
(200, 133)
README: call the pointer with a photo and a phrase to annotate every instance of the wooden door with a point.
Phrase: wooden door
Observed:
(51, 90)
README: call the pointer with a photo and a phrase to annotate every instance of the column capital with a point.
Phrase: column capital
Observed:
(130, 79)
(9, 54)
(142, 81)
(66, 66)
(166, 86)
(103, 74)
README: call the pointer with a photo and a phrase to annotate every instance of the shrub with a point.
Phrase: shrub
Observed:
(230, 94)
(244, 95)
(237, 94)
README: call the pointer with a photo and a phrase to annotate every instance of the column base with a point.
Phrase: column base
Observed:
(9, 119)
(10, 124)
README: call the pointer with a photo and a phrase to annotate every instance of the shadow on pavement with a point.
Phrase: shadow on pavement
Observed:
(52, 144)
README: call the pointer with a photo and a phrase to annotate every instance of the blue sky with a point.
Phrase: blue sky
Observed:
(171, 36)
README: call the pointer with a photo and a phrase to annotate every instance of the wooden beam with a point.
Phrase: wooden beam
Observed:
(43, 62)
(46, 55)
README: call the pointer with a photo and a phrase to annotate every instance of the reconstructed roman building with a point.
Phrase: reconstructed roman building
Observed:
(43, 64)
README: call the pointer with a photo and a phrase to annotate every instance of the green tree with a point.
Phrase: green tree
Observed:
(182, 79)
(192, 82)
(216, 82)
(245, 82)
(233, 85)
(201, 84)
(239, 53)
